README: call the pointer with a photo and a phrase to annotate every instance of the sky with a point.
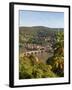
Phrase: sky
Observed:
(41, 18)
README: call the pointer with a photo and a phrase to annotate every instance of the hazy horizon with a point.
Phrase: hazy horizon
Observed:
(37, 26)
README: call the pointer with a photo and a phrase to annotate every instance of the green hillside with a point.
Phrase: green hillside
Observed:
(48, 45)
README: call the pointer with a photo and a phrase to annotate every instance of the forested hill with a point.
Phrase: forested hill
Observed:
(40, 28)
(38, 31)
(37, 34)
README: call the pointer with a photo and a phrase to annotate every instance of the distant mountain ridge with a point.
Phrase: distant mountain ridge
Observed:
(39, 28)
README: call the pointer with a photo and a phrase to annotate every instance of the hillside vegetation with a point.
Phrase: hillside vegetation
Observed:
(52, 40)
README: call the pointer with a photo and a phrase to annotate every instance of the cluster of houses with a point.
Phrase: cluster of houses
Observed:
(36, 49)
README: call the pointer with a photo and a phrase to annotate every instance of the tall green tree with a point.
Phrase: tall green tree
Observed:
(57, 60)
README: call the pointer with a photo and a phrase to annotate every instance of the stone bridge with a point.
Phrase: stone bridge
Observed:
(35, 52)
